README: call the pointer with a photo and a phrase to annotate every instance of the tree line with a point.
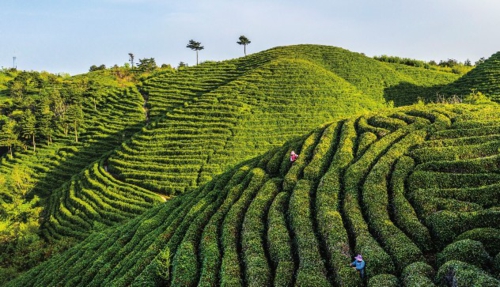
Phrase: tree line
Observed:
(147, 65)
(449, 65)
(37, 108)
(39, 105)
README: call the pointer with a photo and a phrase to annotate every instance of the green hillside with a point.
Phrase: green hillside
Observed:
(36, 186)
(144, 138)
(485, 78)
(245, 106)
(414, 189)
(205, 119)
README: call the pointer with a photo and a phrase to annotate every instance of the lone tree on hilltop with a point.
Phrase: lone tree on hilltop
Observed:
(131, 59)
(244, 41)
(195, 46)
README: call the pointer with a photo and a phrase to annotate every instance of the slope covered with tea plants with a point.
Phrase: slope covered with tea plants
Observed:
(209, 117)
(205, 119)
(414, 190)
(56, 129)
(485, 78)
(144, 138)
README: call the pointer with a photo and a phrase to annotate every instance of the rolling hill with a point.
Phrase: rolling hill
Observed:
(414, 189)
(261, 100)
(205, 119)
(175, 130)
(485, 79)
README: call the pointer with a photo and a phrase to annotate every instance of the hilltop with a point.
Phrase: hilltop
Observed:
(251, 104)
(414, 189)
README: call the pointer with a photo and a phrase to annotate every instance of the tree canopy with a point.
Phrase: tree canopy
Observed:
(195, 46)
(244, 41)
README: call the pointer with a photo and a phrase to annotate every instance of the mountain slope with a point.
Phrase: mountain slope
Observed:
(485, 78)
(202, 120)
(400, 187)
(176, 129)
(250, 102)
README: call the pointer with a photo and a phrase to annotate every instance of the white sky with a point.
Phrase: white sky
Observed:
(71, 35)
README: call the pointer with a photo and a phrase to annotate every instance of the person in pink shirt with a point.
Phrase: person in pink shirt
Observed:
(293, 156)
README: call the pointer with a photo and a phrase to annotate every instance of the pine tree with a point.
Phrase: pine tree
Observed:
(45, 118)
(28, 127)
(74, 117)
(244, 41)
(9, 136)
(195, 46)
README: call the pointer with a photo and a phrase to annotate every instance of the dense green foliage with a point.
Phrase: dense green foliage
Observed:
(265, 222)
(207, 118)
(485, 78)
(6, 75)
(449, 65)
(87, 152)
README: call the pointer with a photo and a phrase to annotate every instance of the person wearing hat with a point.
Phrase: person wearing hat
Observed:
(359, 265)
(293, 156)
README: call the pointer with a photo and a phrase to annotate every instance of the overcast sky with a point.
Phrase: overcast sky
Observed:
(68, 36)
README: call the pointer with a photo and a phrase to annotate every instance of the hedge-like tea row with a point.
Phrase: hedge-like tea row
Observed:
(465, 250)
(464, 274)
(279, 242)
(489, 237)
(387, 280)
(405, 216)
(376, 199)
(231, 272)
(311, 268)
(418, 274)
(257, 268)
(328, 196)
(210, 245)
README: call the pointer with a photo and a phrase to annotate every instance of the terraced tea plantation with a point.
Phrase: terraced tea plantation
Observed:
(78, 193)
(179, 128)
(210, 117)
(485, 79)
(414, 190)
(206, 119)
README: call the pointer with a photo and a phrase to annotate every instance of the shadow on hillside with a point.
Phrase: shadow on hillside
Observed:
(407, 93)
(74, 164)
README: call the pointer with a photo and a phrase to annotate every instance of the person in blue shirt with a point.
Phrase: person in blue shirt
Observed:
(359, 265)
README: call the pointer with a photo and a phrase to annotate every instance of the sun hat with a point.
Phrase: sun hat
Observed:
(359, 257)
